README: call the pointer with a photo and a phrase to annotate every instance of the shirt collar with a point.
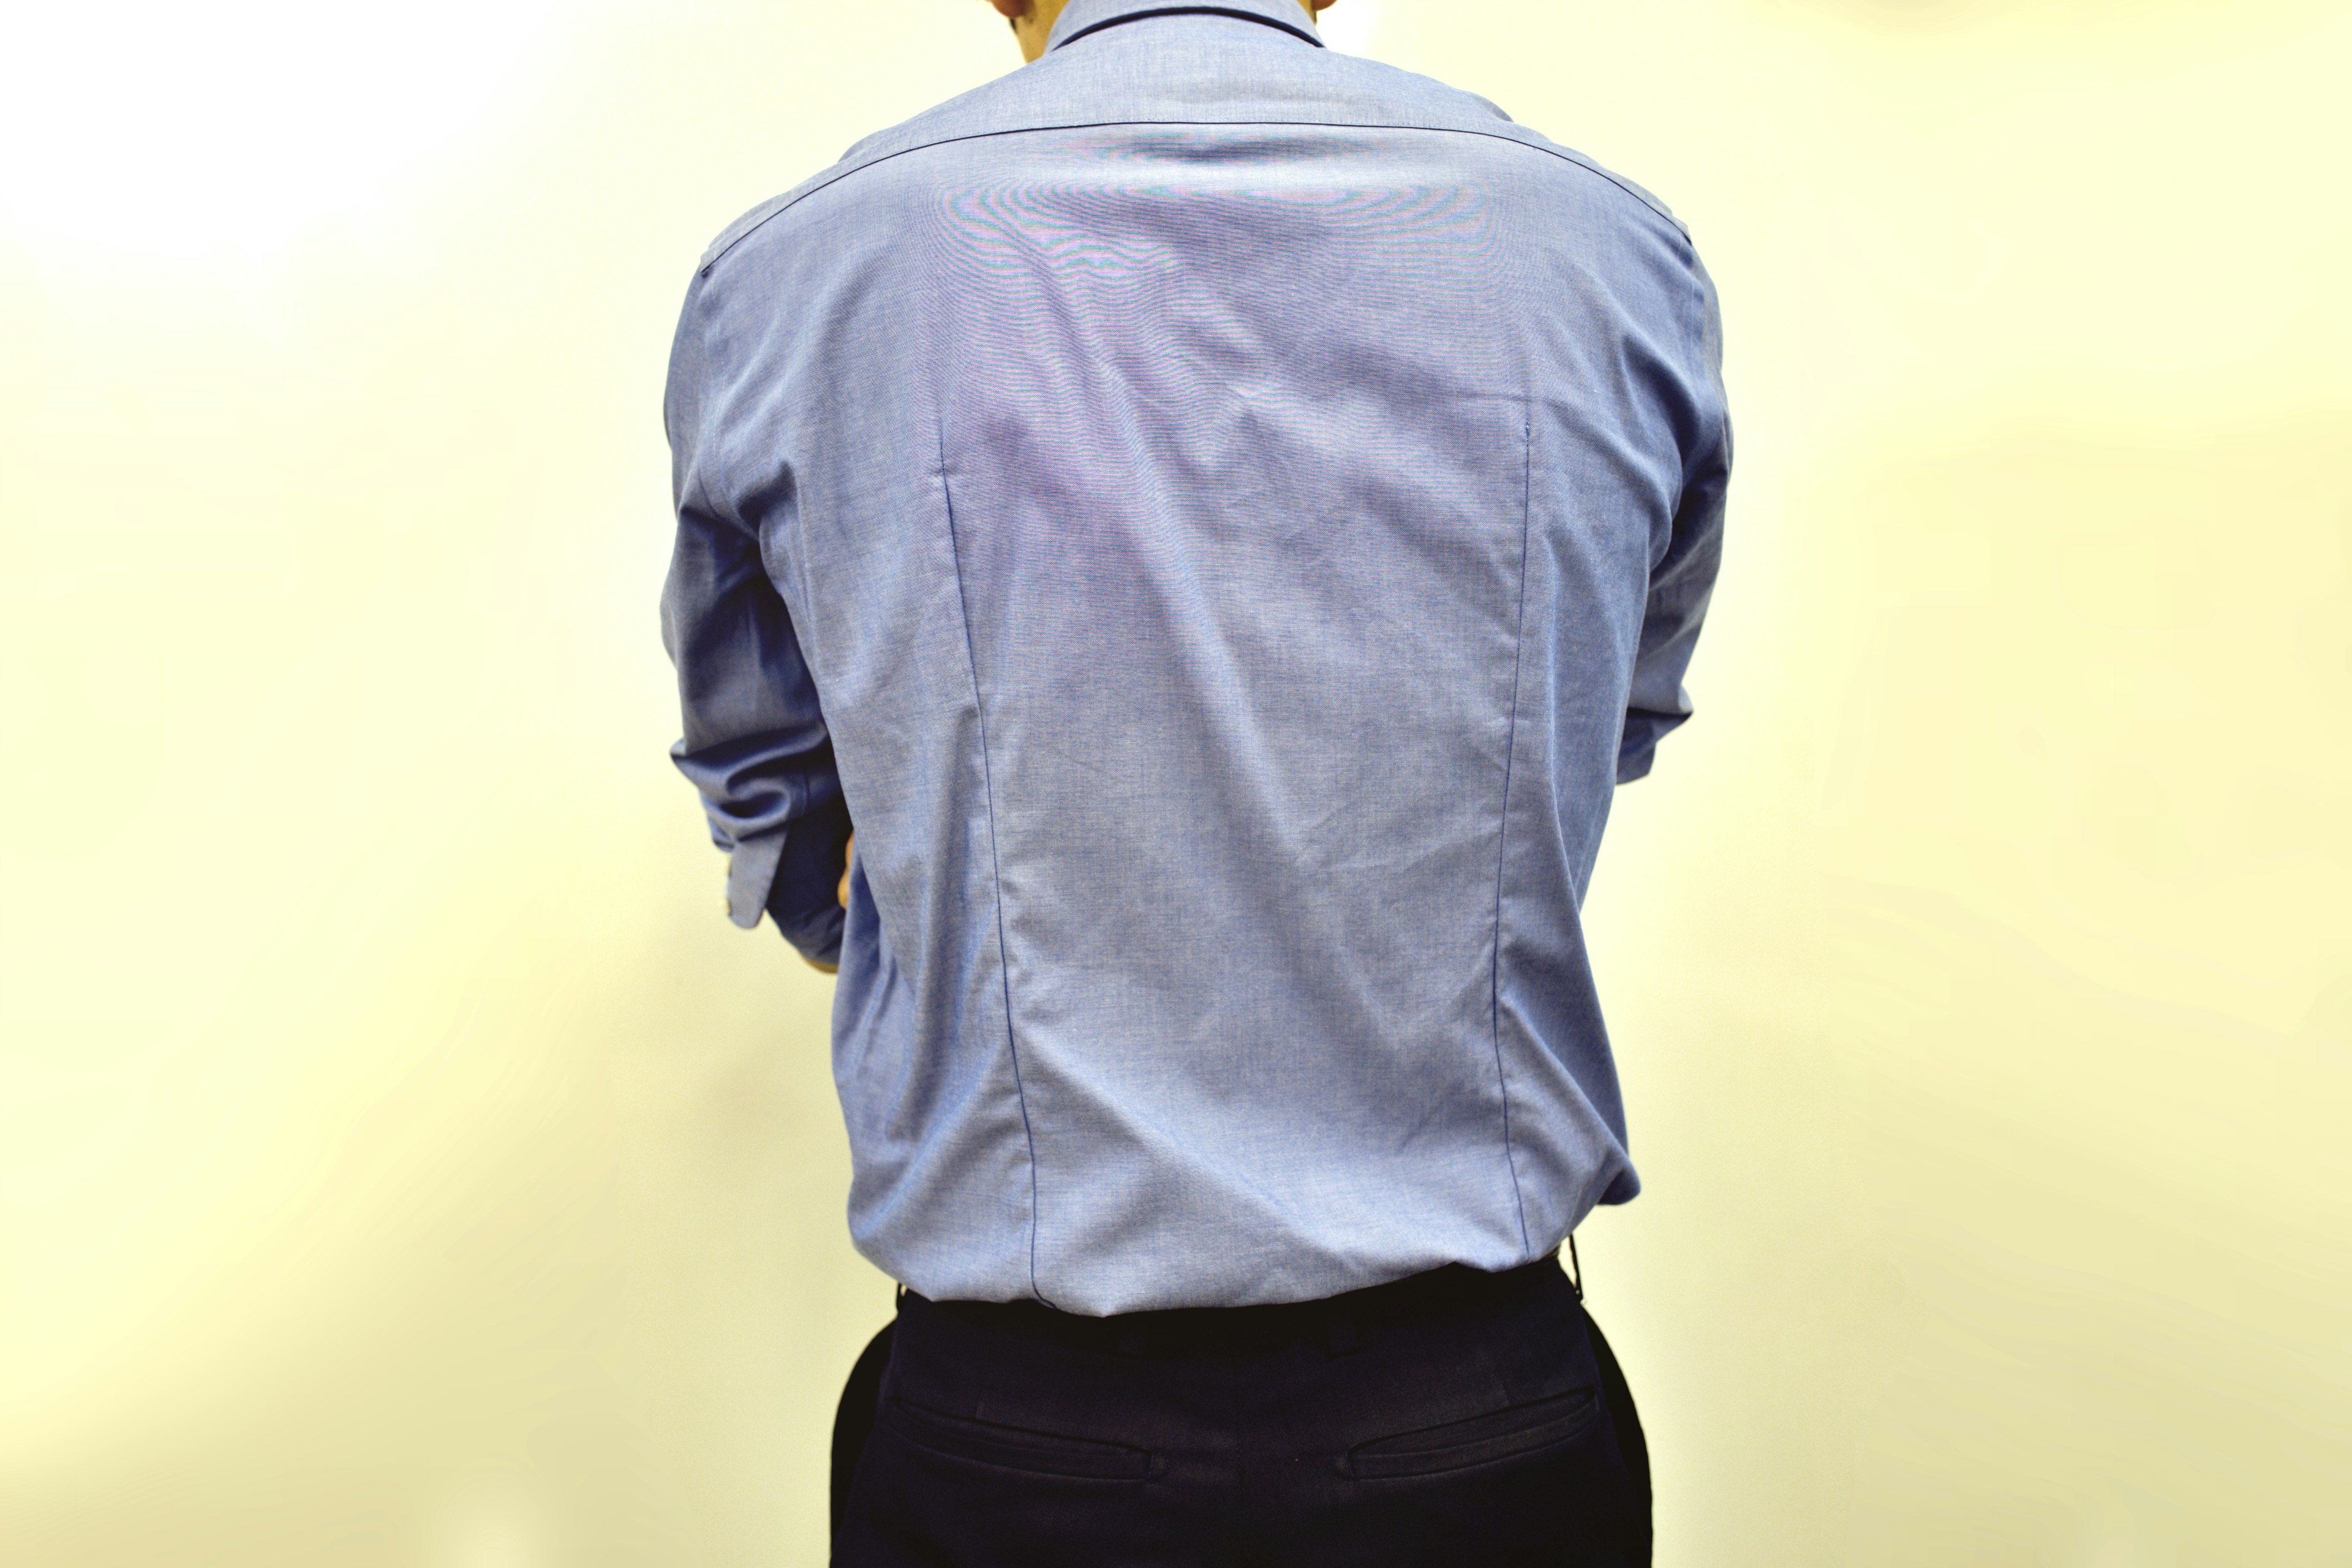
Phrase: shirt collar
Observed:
(1086, 16)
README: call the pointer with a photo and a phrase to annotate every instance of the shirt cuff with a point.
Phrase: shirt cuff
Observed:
(751, 872)
(803, 896)
(1638, 746)
(817, 935)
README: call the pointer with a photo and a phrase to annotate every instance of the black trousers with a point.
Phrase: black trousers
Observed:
(1453, 1417)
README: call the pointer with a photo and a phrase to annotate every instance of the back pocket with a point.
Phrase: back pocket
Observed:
(1480, 1440)
(1014, 1447)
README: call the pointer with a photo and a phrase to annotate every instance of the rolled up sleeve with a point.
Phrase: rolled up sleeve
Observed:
(755, 742)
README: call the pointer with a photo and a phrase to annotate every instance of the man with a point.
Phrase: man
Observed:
(1220, 516)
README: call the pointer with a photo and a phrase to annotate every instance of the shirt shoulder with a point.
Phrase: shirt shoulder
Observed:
(1442, 107)
(1062, 92)
(997, 106)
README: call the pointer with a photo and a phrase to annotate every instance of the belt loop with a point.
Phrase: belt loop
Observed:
(1575, 1269)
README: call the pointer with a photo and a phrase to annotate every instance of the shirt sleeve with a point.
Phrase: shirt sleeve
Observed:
(755, 745)
(1682, 579)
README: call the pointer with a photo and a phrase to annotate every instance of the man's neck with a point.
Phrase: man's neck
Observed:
(1034, 25)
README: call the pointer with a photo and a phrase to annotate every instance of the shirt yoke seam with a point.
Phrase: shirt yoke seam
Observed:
(746, 227)
(995, 872)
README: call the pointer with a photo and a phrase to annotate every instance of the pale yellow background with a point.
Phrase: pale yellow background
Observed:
(403, 1162)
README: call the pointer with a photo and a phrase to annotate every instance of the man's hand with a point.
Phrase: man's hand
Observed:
(843, 894)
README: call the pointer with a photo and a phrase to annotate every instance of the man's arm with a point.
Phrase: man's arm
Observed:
(1681, 580)
(756, 745)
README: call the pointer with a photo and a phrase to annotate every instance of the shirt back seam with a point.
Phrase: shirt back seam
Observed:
(1503, 820)
(995, 872)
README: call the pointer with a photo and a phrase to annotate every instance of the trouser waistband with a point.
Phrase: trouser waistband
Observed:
(1342, 1321)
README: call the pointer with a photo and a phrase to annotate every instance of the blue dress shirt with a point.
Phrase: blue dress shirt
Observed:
(1220, 516)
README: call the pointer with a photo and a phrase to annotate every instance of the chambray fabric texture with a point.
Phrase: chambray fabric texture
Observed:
(1220, 516)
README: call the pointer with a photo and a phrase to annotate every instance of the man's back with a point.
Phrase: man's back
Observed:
(1243, 508)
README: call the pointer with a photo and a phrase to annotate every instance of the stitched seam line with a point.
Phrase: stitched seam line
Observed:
(791, 199)
(1503, 823)
(996, 875)
(1190, 11)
